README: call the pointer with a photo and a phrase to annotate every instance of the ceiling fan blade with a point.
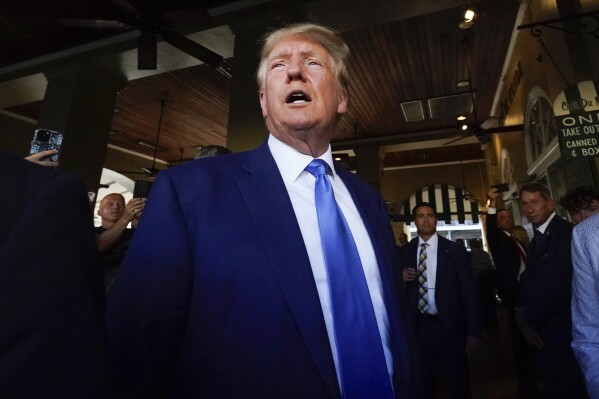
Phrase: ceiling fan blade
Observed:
(151, 171)
(490, 122)
(505, 129)
(192, 48)
(93, 23)
(129, 172)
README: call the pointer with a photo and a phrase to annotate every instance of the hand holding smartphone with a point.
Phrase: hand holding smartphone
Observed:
(501, 187)
(43, 140)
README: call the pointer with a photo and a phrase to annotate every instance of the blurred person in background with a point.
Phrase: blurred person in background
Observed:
(51, 293)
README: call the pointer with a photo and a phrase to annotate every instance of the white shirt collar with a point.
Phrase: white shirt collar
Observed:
(543, 227)
(432, 242)
(291, 162)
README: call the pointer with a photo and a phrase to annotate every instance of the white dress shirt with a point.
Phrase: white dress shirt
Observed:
(543, 227)
(431, 269)
(300, 187)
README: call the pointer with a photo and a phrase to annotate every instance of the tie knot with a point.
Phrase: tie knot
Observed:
(424, 245)
(317, 167)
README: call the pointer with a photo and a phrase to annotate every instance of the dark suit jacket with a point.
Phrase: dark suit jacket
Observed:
(546, 285)
(51, 296)
(507, 260)
(216, 297)
(456, 294)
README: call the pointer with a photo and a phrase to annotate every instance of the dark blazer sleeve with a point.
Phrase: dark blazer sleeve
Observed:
(468, 290)
(505, 255)
(51, 293)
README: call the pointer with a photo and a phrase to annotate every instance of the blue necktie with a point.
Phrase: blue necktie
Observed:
(362, 366)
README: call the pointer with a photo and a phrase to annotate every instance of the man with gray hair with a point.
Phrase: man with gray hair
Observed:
(267, 273)
(545, 292)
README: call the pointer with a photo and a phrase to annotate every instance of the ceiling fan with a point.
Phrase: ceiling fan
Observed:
(157, 19)
(464, 192)
(482, 131)
(152, 171)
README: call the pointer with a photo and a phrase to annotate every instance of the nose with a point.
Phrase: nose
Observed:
(295, 70)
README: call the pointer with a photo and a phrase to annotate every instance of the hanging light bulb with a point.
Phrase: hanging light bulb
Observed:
(469, 15)
(468, 20)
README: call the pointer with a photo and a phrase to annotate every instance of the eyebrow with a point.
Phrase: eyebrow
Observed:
(285, 52)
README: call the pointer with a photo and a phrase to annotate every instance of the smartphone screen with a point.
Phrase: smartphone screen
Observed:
(44, 139)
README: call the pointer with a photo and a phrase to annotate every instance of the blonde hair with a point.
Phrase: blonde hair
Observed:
(329, 39)
(521, 235)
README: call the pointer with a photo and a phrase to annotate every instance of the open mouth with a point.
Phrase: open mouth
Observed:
(297, 97)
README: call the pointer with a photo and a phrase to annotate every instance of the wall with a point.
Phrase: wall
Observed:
(397, 185)
(552, 63)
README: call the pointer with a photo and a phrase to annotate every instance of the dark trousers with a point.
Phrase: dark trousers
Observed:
(433, 353)
(561, 373)
(524, 353)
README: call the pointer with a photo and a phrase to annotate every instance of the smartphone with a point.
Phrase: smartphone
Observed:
(44, 139)
(501, 187)
(142, 189)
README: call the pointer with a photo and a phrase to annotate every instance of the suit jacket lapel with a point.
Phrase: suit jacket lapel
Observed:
(266, 197)
(442, 257)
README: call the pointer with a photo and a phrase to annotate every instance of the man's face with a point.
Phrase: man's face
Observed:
(425, 220)
(504, 220)
(300, 93)
(112, 207)
(581, 214)
(536, 208)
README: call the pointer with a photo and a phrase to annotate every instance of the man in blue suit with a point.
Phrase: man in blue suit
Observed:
(443, 307)
(226, 291)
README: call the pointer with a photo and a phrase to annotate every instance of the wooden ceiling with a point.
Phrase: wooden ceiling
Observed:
(413, 59)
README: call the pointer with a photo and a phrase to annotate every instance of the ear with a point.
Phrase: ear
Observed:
(342, 102)
(263, 103)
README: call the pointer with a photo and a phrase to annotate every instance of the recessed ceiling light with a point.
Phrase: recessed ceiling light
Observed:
(463, 83)
(461, 118)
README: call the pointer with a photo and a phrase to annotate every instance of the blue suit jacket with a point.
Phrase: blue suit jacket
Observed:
(216, 297)
(456, 294)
